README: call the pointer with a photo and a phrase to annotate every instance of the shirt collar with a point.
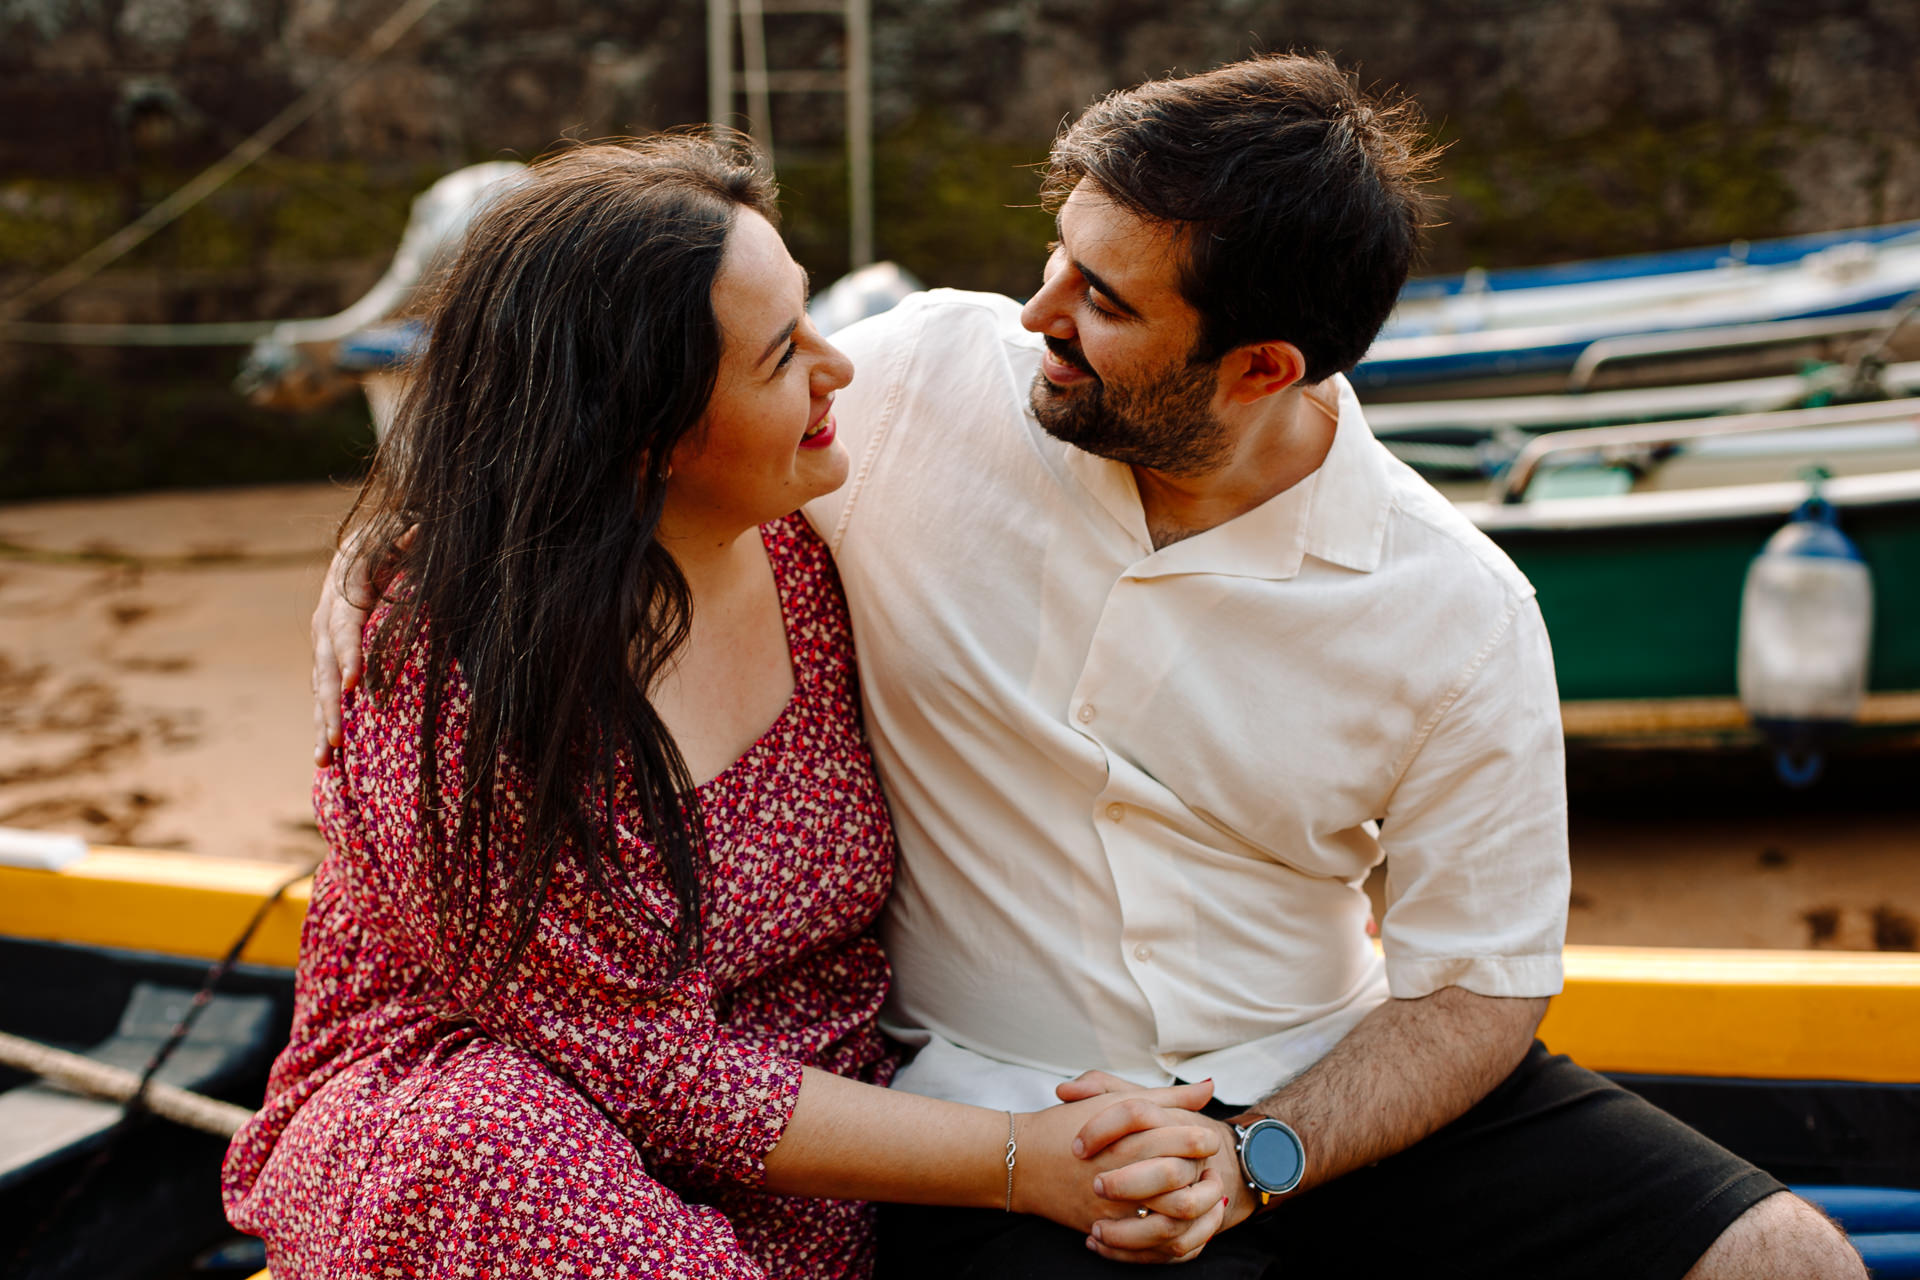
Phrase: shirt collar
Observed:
(1353, 491)
(1337, 514)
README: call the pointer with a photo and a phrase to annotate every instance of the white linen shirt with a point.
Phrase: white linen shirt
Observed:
(1137, 792)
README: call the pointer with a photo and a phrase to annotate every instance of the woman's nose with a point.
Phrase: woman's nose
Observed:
(833, 372)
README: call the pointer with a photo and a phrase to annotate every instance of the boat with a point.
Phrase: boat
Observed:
(1637, 539)
(1802, 1061)
(104, 958)
(1480, 436)
(1423, 290)
(1542, 320)
(304, 364)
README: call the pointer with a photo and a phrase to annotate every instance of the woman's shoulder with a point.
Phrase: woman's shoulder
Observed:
(800, 559)
(810, 595)
(382, 716)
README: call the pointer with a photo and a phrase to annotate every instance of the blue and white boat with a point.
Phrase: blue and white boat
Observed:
(1541, 320)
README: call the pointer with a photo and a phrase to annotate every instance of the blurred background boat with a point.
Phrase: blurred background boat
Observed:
(1542, 320)
(1638, 540)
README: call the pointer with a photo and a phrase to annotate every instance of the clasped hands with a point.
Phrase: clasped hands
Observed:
(1114, 1148)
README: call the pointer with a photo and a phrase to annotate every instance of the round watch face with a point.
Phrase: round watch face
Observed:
(1273, 1157)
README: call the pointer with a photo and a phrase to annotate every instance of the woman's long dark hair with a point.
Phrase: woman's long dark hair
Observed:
(573, 345)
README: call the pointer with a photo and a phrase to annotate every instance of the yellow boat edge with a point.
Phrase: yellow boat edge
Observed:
(145, 900)
(1793, 1015)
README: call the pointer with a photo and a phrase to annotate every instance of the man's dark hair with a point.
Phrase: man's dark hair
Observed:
(1302, 199)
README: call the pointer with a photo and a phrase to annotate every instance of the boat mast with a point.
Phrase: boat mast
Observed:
(853, 82)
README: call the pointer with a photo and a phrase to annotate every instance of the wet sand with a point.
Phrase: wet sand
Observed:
(154, 668)
(153, 691)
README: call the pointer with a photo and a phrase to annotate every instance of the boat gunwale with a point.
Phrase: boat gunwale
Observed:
(1804, 1015)
(1687, 506)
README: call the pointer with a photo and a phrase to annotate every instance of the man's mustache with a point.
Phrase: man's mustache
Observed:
(1065, 353)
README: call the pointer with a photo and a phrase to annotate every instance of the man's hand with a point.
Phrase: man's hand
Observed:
(346, 597)
(1156, 1154)
(1107, 1135)
(1407, 1068)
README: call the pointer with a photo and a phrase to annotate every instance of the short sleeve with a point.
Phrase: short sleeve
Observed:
(1475, 833)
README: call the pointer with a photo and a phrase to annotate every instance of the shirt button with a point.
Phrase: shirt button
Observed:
(1116, 811)
(1086, 712)
(1142, 951)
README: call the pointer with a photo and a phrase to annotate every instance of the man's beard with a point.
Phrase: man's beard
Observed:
(1166, 425)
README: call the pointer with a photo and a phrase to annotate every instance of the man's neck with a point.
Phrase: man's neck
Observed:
(1274, 453)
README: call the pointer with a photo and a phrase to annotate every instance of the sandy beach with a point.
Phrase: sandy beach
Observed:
(153, 692)
(154, 668)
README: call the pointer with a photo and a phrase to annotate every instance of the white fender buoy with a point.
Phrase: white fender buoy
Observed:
(1806, 629)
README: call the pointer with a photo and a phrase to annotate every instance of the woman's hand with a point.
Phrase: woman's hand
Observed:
(1110, 1131)
(1154, 1153)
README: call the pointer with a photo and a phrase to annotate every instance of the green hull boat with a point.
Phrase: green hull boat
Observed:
(1638, 540)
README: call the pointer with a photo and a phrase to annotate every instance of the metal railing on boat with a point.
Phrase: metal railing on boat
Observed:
(1511, 486)
(1765, 333)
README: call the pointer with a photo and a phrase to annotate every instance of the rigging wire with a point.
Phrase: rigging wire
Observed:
(222, 171)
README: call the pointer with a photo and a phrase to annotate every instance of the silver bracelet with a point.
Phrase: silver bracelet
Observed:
(1012, 1151)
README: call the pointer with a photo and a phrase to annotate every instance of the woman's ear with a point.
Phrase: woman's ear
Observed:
(1262, 369)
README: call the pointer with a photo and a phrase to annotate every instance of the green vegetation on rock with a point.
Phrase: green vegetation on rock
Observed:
(949, 207)
(1519, 194)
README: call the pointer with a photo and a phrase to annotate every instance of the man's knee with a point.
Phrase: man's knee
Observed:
(1780, 1236)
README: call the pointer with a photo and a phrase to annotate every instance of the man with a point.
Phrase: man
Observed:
(1152, 634)
(1161, 653)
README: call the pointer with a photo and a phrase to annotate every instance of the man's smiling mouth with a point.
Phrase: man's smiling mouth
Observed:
(1064, 353)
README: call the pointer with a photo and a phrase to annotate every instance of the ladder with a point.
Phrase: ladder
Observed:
(759, 84)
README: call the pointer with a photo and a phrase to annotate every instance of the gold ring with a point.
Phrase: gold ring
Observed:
(1141, 1212)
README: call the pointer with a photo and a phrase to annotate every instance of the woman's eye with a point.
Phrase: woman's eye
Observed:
(793, 349)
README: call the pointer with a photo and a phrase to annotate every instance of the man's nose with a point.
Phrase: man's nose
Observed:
(1045, 312)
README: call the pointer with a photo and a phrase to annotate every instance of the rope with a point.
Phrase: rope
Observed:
(204, 997)
(222, 171)
(82, 1075)
(235, 333)
(1864, 366)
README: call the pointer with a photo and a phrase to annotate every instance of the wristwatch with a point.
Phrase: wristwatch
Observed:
(1272, 1158)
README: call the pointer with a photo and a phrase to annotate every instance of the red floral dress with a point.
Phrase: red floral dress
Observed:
(588, 1118)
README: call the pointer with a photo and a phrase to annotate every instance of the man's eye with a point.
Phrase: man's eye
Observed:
(1092, 300)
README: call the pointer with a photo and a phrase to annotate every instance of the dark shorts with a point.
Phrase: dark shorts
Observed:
(1556, 1173)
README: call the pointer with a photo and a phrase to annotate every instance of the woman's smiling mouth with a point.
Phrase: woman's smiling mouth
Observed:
(820, 434)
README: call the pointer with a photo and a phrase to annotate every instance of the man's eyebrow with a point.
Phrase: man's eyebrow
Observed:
(1060, 242)
(1104, 288)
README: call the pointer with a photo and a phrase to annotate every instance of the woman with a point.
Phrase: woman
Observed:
(587, 981)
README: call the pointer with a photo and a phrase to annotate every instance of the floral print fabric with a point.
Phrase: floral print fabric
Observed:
(587, 1114)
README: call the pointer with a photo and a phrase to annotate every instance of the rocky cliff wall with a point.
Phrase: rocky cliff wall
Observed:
(1576, 127)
